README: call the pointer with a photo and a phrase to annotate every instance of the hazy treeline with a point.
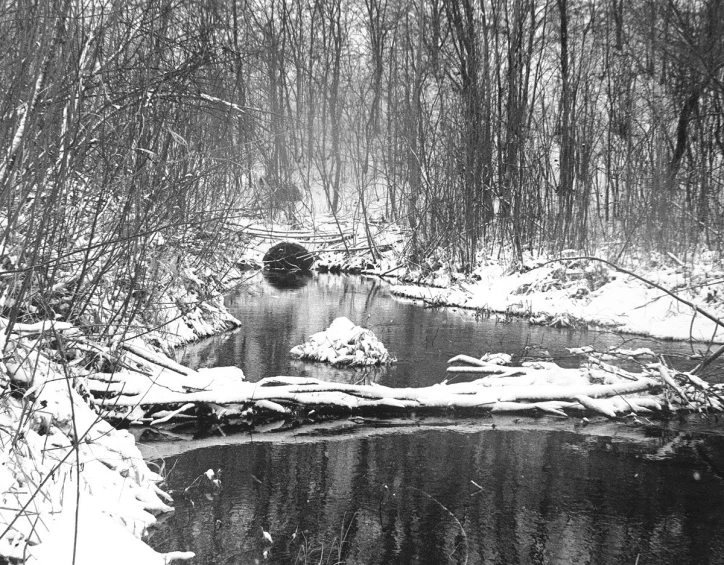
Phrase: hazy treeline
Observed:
(558, 123)
(537, 123)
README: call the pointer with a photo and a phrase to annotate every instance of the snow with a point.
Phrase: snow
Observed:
(573, 293)
(98, 538)
(551, 292)
(152, 384)
(344, 343)
(73, 486)
(67, 464)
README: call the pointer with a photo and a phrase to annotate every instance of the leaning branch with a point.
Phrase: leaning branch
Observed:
(718, 321)
(699, 310)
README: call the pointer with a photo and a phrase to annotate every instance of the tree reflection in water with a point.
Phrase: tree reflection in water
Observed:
(546, 497)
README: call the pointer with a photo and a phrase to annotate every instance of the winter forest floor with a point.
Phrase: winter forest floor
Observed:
(77, 490)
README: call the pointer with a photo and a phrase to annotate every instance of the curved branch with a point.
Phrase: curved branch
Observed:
(706, 362)
(710, 316)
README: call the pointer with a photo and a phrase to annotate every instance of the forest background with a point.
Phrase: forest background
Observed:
(134, 129)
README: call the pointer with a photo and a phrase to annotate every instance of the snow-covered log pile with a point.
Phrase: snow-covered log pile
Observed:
(344, 343)
(74, 489)
(597, 388)
(148, 388)
(539, 388)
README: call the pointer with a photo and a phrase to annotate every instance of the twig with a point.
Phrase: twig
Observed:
(446, 509)
(167, 417)
(657, 286)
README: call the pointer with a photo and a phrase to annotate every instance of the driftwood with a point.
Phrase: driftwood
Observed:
(272, 233)
(159, 395)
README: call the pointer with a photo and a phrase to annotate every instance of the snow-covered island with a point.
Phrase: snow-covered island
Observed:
(344, 343)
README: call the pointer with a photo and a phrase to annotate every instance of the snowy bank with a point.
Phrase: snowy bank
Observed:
(72, 485)
(76, 489)
(547, 292)
(190, 306)
(584, 293)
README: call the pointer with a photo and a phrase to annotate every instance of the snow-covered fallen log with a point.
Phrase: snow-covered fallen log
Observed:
(544, 388)
(344, 343)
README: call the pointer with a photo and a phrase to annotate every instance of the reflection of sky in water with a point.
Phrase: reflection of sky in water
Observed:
(423, 339)
(519, 496)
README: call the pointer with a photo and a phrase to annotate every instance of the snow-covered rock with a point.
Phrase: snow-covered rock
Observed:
(344, 343)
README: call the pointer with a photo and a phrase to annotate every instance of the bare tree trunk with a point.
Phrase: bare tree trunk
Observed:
(567, 177)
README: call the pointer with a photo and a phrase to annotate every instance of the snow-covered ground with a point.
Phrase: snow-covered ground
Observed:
(73, 485)
(585, 293)
(76, 490)
(575, 293)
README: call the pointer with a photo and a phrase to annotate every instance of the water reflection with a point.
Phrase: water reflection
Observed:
(283, 280)
(460, 495)
(277, 317)
(440, 496)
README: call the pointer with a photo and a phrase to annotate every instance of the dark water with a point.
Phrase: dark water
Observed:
(546, 497)
(423, 339)
(504, 490)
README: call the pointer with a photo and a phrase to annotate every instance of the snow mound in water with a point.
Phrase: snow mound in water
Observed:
(344, 343)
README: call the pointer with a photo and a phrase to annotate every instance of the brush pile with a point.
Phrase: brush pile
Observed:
(344, 344)
(595, 388)
(148, 389)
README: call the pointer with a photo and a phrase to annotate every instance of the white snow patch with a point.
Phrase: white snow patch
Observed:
(344, 343)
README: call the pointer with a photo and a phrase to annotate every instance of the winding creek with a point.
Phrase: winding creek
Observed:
(504, 490)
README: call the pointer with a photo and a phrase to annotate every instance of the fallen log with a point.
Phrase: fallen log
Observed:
(296, 234)
(540, 388)
(156, 359)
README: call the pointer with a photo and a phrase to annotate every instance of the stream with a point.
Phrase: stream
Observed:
(504, 490)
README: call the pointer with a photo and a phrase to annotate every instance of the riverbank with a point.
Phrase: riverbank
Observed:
(585, 293)
(76, 489)
(570, 290)
(63, 464)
